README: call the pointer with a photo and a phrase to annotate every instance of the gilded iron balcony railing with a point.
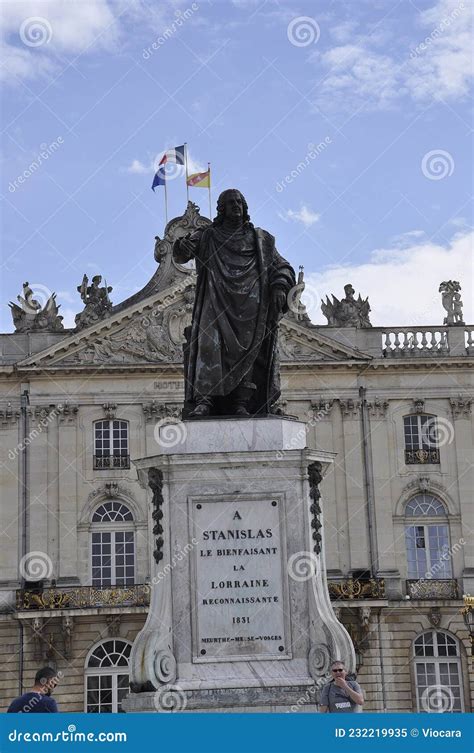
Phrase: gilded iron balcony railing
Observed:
(422, 457)
(106, 462)
(83, 597)
(372, 588)
(429, 588)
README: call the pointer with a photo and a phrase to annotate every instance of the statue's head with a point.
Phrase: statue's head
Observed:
(231, 206)
(97, 279)
(349, 291)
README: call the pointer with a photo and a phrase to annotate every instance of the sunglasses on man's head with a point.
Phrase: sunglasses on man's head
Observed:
(338, 670)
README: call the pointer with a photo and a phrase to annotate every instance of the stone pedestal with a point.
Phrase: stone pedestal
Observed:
(240, 617)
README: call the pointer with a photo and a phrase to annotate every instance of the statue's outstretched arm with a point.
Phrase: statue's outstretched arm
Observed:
(186, 248)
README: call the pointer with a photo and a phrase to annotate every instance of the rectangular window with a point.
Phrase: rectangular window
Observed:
(428, 552)
(421, 444)
(113, 558)
(111, 445)
(438, 686)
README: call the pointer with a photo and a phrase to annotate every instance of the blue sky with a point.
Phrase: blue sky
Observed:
(103, 88)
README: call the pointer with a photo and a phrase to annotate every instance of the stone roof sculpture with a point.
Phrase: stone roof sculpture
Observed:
(452, 303)
(96, 299)
(30, 316)
(348, 312)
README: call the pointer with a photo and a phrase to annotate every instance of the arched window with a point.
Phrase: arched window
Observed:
(112, 545)
(111, 445)
(107, 679)
(427, 538)
(438, 673)
(421, 439)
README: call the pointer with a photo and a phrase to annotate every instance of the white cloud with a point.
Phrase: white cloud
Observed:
(405, 240)
(437, 64)
(138, 168)
(304, 215)
(402, 284)
(34, 32)
(359, 76)
(344, 31)
(36, 35)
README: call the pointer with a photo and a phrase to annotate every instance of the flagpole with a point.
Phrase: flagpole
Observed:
(210, 206)
(166, 199)
(186, 168)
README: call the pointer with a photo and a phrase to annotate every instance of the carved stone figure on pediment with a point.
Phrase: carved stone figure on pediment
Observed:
(290, 349)
(180, 316)
(147, 340)
(96, 299)
(348, 312)
(30, 316)
(452, 303)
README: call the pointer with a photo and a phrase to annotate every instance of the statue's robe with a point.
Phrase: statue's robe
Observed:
(234, 329)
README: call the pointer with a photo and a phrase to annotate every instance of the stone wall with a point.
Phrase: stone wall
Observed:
(69, 694)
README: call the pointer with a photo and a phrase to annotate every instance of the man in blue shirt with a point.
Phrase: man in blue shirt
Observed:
(38, 700)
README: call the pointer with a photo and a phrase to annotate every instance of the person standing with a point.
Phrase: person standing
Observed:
(38, 700)
(340, 695)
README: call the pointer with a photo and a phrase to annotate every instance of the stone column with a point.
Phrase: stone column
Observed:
(53, 490)
(326, 413)
(354, 483)
(38, 488)
(68, 457)
(463, 433)
(384, 531)
(10, 523)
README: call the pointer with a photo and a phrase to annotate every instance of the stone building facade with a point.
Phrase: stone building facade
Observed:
(77, 406)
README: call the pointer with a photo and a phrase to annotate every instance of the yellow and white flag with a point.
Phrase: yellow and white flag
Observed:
(199, 180)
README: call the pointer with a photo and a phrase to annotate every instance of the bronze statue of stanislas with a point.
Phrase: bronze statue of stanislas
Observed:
(241, 293)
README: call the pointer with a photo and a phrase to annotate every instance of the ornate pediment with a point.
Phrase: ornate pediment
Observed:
(152, 332)
(300, 342)
(156, 336)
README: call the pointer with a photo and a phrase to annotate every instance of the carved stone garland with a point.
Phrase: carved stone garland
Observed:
(315, 478)
(152, 661)
(155, 482)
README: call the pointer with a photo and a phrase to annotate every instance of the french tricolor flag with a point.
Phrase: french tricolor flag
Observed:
(175, 156)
